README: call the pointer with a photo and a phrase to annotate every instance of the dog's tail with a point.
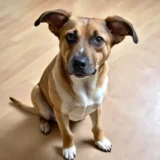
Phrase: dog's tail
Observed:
(24, 107)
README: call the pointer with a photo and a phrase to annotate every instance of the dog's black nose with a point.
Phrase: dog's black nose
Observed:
(79, 63)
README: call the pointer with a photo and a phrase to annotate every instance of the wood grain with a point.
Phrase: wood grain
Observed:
(131, 116)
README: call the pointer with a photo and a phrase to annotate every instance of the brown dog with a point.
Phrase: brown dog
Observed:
(74, 84)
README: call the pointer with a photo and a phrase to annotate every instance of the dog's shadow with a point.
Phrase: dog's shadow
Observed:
(27, 133)
(82, 143)
(30, 126)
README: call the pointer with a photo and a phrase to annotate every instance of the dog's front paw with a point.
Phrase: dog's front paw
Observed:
(69, 153)
(104, 145)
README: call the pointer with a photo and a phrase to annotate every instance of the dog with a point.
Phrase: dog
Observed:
(74, 85)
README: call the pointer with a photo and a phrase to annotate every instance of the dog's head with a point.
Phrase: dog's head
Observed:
(85, 43)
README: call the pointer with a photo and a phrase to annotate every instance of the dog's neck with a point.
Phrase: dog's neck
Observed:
(87, 84)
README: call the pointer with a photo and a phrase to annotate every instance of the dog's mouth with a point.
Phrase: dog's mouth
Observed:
(82, 75)
(79, 75)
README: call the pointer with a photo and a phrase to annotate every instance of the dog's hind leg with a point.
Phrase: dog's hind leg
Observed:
(45, 110)
(41, 108)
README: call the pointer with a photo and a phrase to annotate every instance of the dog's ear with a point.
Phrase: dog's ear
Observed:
(56, 19)
(119, 28)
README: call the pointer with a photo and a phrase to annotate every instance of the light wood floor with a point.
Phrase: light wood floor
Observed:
(131, 115)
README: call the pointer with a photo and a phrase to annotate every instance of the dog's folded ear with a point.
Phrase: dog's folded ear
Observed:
(119, 28)
(56, 19)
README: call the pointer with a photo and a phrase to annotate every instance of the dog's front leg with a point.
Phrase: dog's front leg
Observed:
(69, 149)
(100, 140)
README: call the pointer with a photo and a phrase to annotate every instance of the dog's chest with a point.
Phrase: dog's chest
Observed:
(88, 98)
(87, 93)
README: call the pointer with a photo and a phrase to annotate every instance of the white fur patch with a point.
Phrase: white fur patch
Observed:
(104, 145)
(88, 96)
(81, 50)
(69, 153)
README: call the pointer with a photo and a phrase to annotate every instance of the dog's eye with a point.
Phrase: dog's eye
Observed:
(98, 41)
(71, 38)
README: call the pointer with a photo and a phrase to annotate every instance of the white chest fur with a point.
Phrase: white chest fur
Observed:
(86, 90)
(88, 97)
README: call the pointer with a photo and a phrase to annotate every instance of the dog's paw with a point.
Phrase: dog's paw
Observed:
(69, 153)
(104, 145)
(45, 128)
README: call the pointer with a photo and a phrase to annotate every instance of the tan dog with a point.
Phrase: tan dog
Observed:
(74, 84)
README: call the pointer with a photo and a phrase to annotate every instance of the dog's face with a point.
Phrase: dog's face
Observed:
(85, 43)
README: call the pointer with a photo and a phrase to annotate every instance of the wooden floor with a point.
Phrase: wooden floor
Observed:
(131, 115)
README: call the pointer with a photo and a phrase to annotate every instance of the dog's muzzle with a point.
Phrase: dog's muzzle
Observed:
(80, 67)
